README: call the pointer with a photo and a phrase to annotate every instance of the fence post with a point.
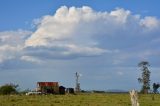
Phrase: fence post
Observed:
(134, 98)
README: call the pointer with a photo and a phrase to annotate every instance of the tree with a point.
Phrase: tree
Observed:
(8, 89)
(145, 78)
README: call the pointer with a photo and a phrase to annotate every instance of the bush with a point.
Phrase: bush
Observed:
(8, 89)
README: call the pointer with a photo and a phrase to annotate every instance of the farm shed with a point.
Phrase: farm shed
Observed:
(48, 87)
(62, 90)
(70, 90)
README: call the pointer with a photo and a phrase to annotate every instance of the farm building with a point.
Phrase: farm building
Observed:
(70, 90)
(48, 87)
(62, 90)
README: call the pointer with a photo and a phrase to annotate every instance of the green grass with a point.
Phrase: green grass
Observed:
(78, 100)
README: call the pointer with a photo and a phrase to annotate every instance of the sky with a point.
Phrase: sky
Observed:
(103, 40)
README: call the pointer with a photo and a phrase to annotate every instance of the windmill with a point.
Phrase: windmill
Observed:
(77, 88)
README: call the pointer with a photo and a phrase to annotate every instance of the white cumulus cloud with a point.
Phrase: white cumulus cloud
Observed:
(12, 44)
(86, 32)
(81, 32)
(150, 22)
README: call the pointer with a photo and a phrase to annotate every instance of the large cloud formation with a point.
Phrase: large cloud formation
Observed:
(82, 32)
(79, 32)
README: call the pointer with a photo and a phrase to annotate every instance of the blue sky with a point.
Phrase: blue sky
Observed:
(28, 10)
(103, 40)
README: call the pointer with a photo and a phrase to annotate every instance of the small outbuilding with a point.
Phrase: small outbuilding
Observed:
(70, 90)
(62, 90)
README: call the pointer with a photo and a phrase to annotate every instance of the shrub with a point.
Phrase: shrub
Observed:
(8, 89)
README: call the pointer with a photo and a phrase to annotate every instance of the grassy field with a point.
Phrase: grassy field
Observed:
(78, 100)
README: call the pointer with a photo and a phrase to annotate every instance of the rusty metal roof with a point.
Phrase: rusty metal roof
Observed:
(47, 83)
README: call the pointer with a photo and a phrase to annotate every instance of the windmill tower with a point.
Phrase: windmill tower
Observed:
(77, 88)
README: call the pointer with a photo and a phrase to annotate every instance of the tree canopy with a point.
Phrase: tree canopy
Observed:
(8, 89)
